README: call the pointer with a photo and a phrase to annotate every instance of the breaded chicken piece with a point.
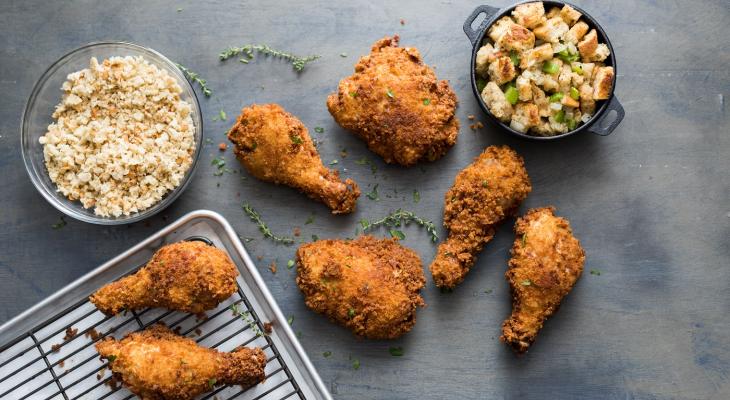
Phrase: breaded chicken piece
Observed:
(275, 146)
(157, 364)
(370, 286)
(185, 276)
(546, 262)
(394, 102)
(482, 196)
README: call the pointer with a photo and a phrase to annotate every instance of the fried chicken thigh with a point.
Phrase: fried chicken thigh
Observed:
(394, 102)
(186, 276)
(157, 364)
(370, 286)
(275, 146)
(546, 262)
(482, 196)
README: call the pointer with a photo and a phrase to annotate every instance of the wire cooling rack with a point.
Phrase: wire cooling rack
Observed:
(52, 356)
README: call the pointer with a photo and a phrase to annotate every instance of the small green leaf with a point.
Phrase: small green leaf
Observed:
(222, 115)
(397, 234)
(351, 312)
(396, 351)
(485, 183)
(296, 139)
(319, 129)
(390, 94)
(343, 55)
(334, 162)
(327, 354)
(315, 238)
(309, 220)
(60, 224)
(526, 282)
(353, 94)
(373, 194)
(290, 320)
(595, 272)
(426, 102)
(355, 364)
(211, 382)
(290, 264)
(111, 358)
(416, 196)
(488, 291)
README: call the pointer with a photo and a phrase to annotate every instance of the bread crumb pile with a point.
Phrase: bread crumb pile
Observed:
(122, 136)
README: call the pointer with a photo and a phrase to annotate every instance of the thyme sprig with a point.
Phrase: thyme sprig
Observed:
(401, 217)
(248, 51)
(196, 79)
(255, 217)
(245, 315)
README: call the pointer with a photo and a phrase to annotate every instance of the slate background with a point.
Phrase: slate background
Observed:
(649, 203)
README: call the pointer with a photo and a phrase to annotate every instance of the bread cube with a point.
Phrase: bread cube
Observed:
(552, 30)
(529, 15)
(502, 70)
(516, 37)
(576, 32)
(570, 15)
(496, 102)
(602, 83)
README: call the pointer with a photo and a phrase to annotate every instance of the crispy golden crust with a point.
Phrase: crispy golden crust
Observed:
(546, 262)
(370, 286)
(275, 146)
(394, 102)
(483, 195)
(157, 364)
(185, 276)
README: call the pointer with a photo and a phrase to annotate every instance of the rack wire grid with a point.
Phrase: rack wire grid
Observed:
(57, 359)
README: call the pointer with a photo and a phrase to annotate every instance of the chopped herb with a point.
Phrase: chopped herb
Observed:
(401, 217)
(367, 161)
(390, 94)
(353, 94)
(315, 238)
(179, 10)
(60, 224)
(416, 196)
(111, 358)
(309, 220)
(222, 115)
(319, 129)
(218, 162)
(481, 84)
(211, 382)
(248, 50)
(514, 57)
(526, 282)
(248, 239)
(595, 272)
(488, 291)
(397, 234)
(524, 239)
(426, 102)
(396, 351)
(263, 228)
(343, 55)
(246, 316)
(327, 354)
(290, 320)
(351, 312)
(196, 79)
(334, 162)
(355, 364)
(290, 264)
(296, 139)
(373, 194)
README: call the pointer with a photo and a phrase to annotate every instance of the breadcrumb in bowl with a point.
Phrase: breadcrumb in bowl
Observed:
(111, 156)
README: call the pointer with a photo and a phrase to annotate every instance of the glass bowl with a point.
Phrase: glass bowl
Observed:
(47, 94)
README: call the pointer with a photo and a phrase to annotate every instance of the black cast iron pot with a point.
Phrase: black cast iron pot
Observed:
(609, 113)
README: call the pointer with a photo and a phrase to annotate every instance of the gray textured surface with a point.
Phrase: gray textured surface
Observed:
(650, 203)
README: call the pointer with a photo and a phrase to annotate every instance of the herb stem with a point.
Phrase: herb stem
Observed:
(401, 217)
(255, 217)
(196, 79)
(248, 50)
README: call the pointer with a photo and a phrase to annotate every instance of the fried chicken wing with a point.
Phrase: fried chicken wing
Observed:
(546, 262)
(370, 286)
(482, 196)
(157, 364)
(394, 102)
(185, 276)
(275, 146)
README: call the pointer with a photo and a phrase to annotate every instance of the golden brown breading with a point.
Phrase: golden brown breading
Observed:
(394, 102)
(370, 286)
(275, 146)
(546, 262)
(482, 196)
(157, 364)
(185, 276)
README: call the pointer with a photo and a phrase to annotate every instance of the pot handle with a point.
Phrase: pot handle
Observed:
(473, 34)
(604, 127)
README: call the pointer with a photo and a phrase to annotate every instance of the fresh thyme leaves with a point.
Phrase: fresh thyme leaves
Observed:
(353, 94)
(485, 183)
(355, 364)
(315, 238)
(526, 282)
(367, 161)
(263, 227)
(222, 115)
(373, 194)
(111, 358)
(319, 129)
(334, 162)
(390, 94)
(343, 55)
(60, 224)
(220, 164)
(246, 316)
(351, 313)
(296, 139)
(309, 220)
(595, 272)
(290, 264)
(397, 234)
(488, 291)
(327, 354)
(426, 102)
(396, 351)
(416, 196)
(248, 51)
(211, 382)
(196, 79)
(290, 320)
(401, 217)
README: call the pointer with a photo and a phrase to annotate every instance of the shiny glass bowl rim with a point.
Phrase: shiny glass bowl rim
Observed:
(52, 195)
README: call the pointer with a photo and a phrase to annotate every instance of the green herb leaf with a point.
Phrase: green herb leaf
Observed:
(396, 351)
(334, 162)
(397, 234)
(290, 264)
(426, 102)
(416, 196)
(343, 55)
(485, 183)
(373, 194)
(263, 227)
(401, 217)
(60, 224)
(211, 382)
(351, 312)
(309, 220)
(595, 272)
(390, 94)
(319, 129)
(290, 320)
(192, 76)
(355, 364)
(488, 291)
(222, 115)
(353, 94)
(526, 282)
(246, 316)
(315, 238)
(111, 358)
(327, 354)
(296, 139)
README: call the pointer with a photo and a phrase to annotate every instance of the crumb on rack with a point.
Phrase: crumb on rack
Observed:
(70, 333)
(272, 267)
(222, 146)
(267, 327)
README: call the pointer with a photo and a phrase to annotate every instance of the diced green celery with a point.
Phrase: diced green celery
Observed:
(512, 95)
(556, 97)
(550, 67)
(560, 116)
(514, 57)
(574, 93)
(572, 124)
(481, 83)
(577, 69)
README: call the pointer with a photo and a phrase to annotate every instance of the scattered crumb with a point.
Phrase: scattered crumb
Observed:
(402, 21)
(471, 117)
(222, 146)
(55, 348)
(177, 329)
(61, 363)
(93, 334)
(112, 383)
(267, 327)
(259, 258)
(297, 231)
(272, 267)
(70, 333)
(101, 374)
(480, 125)
(198, 331)
(200, 317)
(476, 125)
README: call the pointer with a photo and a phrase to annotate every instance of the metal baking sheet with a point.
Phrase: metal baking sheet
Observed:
(47, 352)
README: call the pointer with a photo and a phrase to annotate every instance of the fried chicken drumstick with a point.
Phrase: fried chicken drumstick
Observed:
(370, 286)
(482, 196)
(157, 364)
(186, 276)
(546, 262)
(275, 146)
(395, 103)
